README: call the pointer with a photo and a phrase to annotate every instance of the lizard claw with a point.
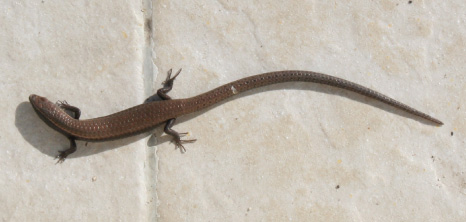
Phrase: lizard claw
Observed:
(61, 157)
(62, 104)
(169, 80)
(179, 144)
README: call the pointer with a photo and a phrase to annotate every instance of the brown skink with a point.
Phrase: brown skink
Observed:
(147, 116)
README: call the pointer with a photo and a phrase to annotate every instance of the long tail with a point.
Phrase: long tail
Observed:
(216, 95)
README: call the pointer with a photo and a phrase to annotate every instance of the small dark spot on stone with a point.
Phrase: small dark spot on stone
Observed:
(451, 133)
(148, 25)
(337, 187)
(409, 2)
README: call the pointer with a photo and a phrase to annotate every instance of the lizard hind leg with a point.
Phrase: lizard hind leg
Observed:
(177, 136)
(167, 86)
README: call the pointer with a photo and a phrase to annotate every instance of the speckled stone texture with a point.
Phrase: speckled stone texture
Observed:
(290, 152)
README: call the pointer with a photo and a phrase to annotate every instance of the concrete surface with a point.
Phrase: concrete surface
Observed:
(290, 152)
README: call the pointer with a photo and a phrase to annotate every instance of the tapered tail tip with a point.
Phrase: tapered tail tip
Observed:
(439, 123)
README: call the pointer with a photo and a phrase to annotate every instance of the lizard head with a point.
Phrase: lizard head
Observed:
(42, 106)
(48, 111)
